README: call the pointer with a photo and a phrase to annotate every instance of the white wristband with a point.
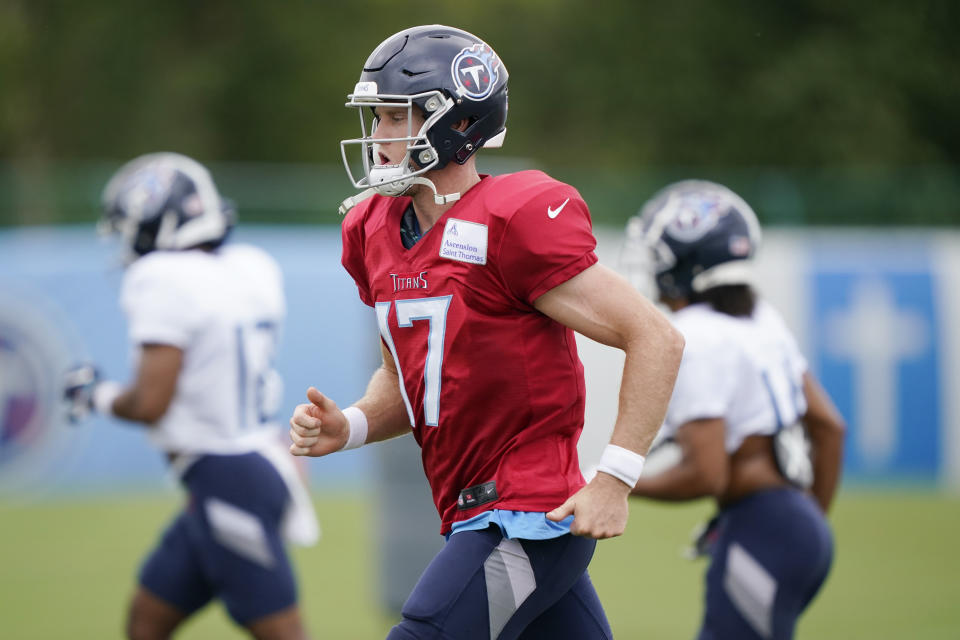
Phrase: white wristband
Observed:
(357, 421)
(104, 393)
(623, 464)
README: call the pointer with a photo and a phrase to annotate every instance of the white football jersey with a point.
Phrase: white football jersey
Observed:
(224, 309)
(748, 371)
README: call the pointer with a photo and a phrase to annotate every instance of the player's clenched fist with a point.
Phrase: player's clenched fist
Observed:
(318, 427)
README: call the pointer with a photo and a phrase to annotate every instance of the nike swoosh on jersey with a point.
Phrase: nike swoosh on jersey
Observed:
(553, 213)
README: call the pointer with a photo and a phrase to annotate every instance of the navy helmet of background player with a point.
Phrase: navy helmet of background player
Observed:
(203, 323)
(478, 283)
(742, 411)
(165, 201)
(449, 76)
(698, 234)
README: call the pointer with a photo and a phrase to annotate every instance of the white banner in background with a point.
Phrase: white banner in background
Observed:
(876, 313)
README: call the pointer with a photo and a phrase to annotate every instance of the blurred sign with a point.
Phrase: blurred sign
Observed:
(873, 310)
(877, 337)
(58, 306)
(35, 348)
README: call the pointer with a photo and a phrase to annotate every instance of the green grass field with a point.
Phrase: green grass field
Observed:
(67, 569)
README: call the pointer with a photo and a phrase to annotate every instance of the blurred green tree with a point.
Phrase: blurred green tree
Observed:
(784, 98)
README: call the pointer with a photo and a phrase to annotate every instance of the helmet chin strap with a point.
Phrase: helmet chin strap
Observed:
(437, 198)
(352, 201)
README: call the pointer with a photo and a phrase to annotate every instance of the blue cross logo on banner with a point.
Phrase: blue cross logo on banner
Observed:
(875, 324)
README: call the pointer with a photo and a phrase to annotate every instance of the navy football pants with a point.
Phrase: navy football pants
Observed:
(773, 553)
(226, 543)
(482, 586)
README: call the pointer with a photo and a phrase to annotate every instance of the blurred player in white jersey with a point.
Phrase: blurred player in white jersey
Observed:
(755, 430)
(204, 320)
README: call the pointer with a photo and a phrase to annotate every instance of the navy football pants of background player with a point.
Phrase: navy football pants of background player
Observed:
(772, 554)
(227, 541)
(482, 586)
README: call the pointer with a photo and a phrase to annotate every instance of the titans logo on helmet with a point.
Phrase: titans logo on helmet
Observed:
(476, 70)
(696, 216)
(149, 190)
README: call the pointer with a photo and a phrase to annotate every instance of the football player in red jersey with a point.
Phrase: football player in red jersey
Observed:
(479, 283)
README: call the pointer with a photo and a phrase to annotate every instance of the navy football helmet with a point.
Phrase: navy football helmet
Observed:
(697, 235)
(165, 201)
(449, 75)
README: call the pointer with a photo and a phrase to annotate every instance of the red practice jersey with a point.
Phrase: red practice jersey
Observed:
(494, 389)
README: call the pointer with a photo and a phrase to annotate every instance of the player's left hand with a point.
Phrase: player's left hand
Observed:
(599, 509)
(78, 386)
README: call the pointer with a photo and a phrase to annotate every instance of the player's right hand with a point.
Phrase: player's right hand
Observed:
(78, 385)
(599, 509)
(318, 427)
